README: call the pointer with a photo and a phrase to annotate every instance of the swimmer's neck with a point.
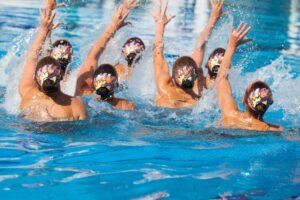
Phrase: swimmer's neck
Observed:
(55, 95)
(250, 114)
(190, 92)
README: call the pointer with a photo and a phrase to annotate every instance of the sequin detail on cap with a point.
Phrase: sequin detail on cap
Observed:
(258, 97)
(46, 72)
(185, 73)
(105, 80)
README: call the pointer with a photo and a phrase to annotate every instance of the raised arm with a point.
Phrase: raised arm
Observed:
(161, 70)
(46, 25)
(224, 92)
(52, 5)
(84, 80)
(198, 54)
(216, 14)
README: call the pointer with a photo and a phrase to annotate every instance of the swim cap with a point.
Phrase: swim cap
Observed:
(214, 62)
(133, 49)
(63, 52)
(48, 78)
(185, 77)
(260, 99)
(105, 81)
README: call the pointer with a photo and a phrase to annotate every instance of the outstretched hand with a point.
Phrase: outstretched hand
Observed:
(51, 4)
(122, 13)
(217, 9)
(237, 36)
(131, 4)
(119, 18)
(47, 17)
(160, 16)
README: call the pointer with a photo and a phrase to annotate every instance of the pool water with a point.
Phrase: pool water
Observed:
(154, 153)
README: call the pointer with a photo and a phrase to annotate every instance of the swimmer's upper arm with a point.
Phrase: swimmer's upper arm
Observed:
(86, 72)
(161, 69)
(84, 82)
(27, 80)
(199, 50)
(224, 92)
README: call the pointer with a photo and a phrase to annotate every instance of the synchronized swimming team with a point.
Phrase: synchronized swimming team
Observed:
(43, 100)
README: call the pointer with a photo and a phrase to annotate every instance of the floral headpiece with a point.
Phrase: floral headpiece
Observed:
(62, 51)
(46, 72)
(260, 97)
(105, 80)
(133, 47)
(185, 73)
(216, 60)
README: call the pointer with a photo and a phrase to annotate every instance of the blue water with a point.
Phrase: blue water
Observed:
(154, 153)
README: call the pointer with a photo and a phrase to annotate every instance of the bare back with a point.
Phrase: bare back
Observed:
(37, 106)
(171, 96)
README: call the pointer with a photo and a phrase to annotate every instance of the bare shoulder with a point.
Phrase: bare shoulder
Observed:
(78, 108)
(239, 120)
(122, 104)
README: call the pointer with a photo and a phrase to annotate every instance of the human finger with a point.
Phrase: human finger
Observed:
(55, 26)
(166, 7)
(60, 5)
(243, 28)
(52, 17)
(239, 27)
(246, 32)
(170, 19)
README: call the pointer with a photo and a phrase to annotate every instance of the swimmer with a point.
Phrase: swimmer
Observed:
(61, 49)
(258, 96)
(39, 87)
(181, 89)
(103, 80)
(217, 55)
(132, 51)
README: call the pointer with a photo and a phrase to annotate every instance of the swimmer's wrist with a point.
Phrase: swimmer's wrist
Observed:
(159, 24)
(231, 47)
(111, 30)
